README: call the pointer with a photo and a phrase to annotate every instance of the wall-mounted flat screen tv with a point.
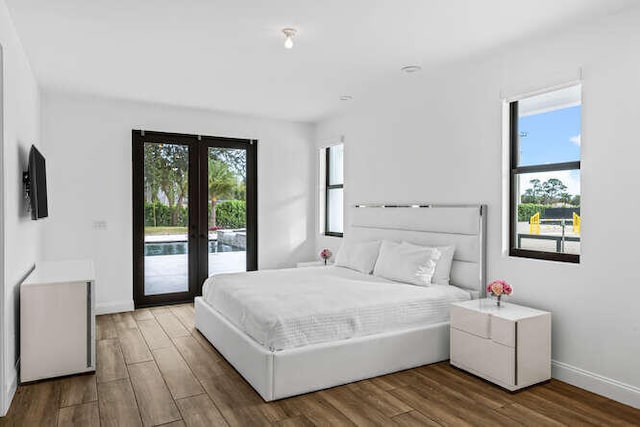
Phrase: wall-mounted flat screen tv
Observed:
(36, 183)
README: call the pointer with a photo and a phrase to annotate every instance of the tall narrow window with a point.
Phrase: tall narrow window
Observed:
(334, 191)
(545, 216)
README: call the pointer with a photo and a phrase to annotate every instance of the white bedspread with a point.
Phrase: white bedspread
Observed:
(283, 309)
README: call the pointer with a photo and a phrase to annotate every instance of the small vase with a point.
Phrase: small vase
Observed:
(498, 300)
(325, 261)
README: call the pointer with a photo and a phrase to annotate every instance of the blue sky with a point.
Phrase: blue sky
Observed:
(551, 137)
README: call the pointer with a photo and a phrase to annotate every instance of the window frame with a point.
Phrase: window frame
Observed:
(328, 187)
(515, 171)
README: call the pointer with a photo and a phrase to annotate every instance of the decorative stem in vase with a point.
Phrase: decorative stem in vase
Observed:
(325, 254)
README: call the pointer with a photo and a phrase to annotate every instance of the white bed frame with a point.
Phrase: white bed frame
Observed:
(279, 374)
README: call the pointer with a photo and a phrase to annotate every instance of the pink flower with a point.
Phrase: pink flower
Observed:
(325, 254)
(499, 287)
(496, 289)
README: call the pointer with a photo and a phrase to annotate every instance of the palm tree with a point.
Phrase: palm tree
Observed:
(152, 176)
(222, 183)
(178, 171)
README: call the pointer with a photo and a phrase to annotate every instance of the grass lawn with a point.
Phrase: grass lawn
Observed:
(149, 231)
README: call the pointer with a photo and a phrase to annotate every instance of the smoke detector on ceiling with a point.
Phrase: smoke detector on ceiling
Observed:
(411, 68)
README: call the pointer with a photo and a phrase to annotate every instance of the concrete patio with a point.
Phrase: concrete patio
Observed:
(168, 273)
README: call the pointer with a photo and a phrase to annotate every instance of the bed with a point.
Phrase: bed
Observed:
(293, 331)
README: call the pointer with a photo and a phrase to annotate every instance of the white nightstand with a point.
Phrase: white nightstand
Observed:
(508, 345)
(312, 263)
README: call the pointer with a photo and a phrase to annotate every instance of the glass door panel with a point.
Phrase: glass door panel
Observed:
(166, 218)
(227, 210)
(194, 213)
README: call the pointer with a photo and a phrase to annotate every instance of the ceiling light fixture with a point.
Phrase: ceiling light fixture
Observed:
(346, 98)
(288, 33)
(411, 68)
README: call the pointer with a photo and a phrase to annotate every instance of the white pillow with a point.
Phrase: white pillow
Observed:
(406, 263)
(442, 275)
(358, 256)
(443, 264)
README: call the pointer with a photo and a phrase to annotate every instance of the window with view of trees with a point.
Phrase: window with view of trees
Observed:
(545, 136)
(166, 182)
(334, 190)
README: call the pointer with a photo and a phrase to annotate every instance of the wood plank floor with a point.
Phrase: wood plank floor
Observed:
(154, 368)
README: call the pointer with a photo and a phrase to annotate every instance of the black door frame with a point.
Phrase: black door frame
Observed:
(198, 230)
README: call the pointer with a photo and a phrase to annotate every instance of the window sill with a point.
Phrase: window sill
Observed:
(546, 256)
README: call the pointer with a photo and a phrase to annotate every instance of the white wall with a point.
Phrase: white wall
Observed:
(437, 137)
(20, 129)
(88, 143)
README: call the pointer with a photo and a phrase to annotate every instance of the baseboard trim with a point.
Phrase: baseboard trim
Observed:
(12, 387)
(114, 307)
(608, 387)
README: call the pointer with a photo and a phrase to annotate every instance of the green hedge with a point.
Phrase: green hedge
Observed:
(164, 215)
(527, 210)
(231, 214)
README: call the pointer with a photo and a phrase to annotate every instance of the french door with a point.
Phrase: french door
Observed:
(194, 213)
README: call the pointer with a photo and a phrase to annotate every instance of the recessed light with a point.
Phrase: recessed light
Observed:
(346, 98)
(288, 34)
(411, 68)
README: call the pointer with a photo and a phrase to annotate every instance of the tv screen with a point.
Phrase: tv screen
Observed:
(37, 186)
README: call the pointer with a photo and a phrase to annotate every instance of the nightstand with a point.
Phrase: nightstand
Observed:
(312, 264)
(508, 345)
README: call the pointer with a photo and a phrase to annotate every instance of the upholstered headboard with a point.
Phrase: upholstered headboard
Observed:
(463, 226)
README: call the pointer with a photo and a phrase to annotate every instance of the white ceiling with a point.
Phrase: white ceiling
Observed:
(229, 55)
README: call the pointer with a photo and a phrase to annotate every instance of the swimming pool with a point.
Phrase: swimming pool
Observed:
(180, 248)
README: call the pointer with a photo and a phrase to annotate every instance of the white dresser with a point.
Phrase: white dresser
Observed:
(57, 320)
(508, 345)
